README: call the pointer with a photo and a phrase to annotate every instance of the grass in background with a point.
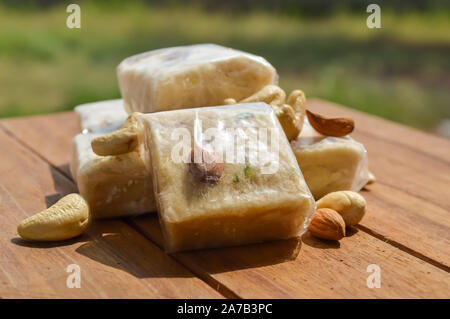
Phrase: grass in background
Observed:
(400, 72)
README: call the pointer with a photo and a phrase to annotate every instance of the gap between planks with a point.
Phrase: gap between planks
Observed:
(416, 150)
(439, 205)
(403, 248)
(205, 277)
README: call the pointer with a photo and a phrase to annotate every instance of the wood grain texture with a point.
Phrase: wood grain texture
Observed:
(115, 260)
(432, 145)
(312, 268)
(406, 206)
(49, 136)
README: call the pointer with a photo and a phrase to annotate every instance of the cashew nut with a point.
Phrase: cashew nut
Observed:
(120, 142)
(297, 100)
(290, 115)
(288, 120)
(270, 94)
(351, 205)
(67, 218)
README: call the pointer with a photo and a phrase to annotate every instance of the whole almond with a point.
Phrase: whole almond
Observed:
(327, 224)
(208, 169)
(330, 126)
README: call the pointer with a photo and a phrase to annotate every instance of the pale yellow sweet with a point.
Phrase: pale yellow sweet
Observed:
(112, 185)
(330, 164)
(190, 76)
(245, 205)
(101, 117)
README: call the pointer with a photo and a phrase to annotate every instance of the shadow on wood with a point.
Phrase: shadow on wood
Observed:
(62, 185)
(315, 242)
(225, 259)
(65, 168)
(123, 248)
(51, 244)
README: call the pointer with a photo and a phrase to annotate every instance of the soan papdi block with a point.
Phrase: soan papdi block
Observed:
(244, 186)
(112, 185)
(330, 164)
(190, 76)
(96, 119)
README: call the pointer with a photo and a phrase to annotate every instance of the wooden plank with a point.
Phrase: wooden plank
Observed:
(409, 204)
(115, 260)
(432, 145)
(419, 208)
(409, 220)
(414, 173)
(312, 268)
(49, 136)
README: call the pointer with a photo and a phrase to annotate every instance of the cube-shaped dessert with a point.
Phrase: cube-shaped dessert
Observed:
(190, 76)
(101, 117)
(112, 185)
(95, 119)
(330, 164)
(224, 176)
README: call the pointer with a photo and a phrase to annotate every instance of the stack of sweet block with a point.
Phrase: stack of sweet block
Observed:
(203, 199)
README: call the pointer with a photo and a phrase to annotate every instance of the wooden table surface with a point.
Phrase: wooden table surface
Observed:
(406, 231)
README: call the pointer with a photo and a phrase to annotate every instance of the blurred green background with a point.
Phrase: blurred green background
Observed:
(400, 72)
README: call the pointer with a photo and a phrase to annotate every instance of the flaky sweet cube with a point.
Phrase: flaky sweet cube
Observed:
(224, 176)
(113, 186)
(329, 163)
(190, 76)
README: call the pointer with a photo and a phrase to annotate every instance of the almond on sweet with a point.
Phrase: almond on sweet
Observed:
(337, 127)
(207, 168)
